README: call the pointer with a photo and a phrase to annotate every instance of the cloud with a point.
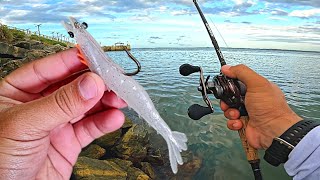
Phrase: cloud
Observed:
(291, 3)
(155, 37)
(305, 13)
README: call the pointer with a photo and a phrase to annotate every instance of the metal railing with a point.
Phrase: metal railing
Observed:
(59, 37)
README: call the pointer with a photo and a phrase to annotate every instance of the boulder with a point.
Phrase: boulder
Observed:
(23, 44)
(93, 151)
(133, 145)
(133, 172)
(36, 54)
(87, 168)
(109, 139)
(10, 66)
(36, 44)
(10, 51)
(148, 169)
(115, 169)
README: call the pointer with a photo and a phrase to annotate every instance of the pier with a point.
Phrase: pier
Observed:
(117, 47)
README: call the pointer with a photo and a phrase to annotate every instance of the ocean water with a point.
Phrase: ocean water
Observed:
(296, 73)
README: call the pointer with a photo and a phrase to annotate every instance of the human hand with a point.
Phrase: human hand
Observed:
(46, 118)
(270, 115)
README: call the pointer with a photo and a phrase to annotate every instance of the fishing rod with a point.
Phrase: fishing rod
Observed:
(231, 91)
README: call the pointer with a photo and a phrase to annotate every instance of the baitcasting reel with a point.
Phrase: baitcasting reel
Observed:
(229, 90)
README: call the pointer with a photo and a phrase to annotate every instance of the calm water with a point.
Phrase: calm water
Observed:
(297, 74)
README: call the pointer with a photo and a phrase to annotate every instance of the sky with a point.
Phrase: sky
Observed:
(265, 24)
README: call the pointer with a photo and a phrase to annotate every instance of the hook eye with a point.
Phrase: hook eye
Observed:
(135, 61)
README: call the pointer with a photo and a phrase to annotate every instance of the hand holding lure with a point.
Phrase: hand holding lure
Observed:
(126, 88)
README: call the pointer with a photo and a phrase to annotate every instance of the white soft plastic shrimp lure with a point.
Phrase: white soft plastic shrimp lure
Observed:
(126, 88)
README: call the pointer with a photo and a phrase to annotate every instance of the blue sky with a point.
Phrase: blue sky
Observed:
(276, 24)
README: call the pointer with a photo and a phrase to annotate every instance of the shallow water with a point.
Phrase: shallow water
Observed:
(297, 74)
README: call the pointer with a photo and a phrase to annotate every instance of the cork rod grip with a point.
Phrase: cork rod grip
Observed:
(252, 153)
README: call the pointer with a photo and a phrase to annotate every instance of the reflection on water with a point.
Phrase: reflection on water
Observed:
(297, 74)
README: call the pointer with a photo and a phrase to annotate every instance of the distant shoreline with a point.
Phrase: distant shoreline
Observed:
(290, 50)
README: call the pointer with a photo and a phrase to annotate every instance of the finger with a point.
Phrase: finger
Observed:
(246, 75)
(109, 100)
(232, 113)
(223, 106)
(53, 87)
(38, 75)
(234, 124)
(69, 102)
(98, 125)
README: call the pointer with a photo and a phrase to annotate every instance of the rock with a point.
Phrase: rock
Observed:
(133, 145)
(109, 139)
(36, 44)
(87, 168)
(154, 156)
(57, 48)
(93, 151)
(10, 51)
(127, 123)
(10, 66)
(23, 44)
(133, 172)
(190, 167)
(114, 169)
(148, 169)
(36, 54)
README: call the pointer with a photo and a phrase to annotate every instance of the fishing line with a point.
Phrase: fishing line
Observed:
(219, 33)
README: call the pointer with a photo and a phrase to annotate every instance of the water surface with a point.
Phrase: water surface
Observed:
(297, 74)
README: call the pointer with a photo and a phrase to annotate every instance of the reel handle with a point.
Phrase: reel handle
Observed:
(197, 111)
(187, 69)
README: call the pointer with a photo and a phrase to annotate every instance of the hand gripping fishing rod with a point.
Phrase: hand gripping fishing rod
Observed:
(231, 91)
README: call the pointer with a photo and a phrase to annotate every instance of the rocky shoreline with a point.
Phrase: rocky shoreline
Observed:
(124, 154)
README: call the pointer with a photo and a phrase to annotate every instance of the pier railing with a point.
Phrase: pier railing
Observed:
(58, 37)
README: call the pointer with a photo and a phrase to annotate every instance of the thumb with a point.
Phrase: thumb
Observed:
(67, 103)
(246, 75)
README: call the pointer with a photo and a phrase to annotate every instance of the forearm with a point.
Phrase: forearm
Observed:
(303, 162)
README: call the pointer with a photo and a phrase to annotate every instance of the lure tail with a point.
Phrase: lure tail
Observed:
(176, 143)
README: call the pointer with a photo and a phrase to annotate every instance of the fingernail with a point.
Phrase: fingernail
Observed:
(88, 88)
(226, 67)
(231, 113)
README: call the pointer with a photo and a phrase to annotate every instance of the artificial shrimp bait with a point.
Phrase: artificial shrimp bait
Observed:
(126, 88)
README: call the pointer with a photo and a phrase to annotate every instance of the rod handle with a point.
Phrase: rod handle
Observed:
(252, 153)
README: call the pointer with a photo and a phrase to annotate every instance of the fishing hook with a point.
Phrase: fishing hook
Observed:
(84, 25)
(135, 61)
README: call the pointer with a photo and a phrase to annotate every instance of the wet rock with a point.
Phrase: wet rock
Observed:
(127, 123)
(87, 168)
(93, 151)
(133, 172)
(109, 139)
(154, 156)
(148, 169)
(190, 167)
(133, 145)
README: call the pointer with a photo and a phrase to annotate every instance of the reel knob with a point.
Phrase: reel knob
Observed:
(187, 69)
(197, 111)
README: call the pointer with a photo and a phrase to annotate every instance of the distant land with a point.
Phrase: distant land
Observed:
(222, 48)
